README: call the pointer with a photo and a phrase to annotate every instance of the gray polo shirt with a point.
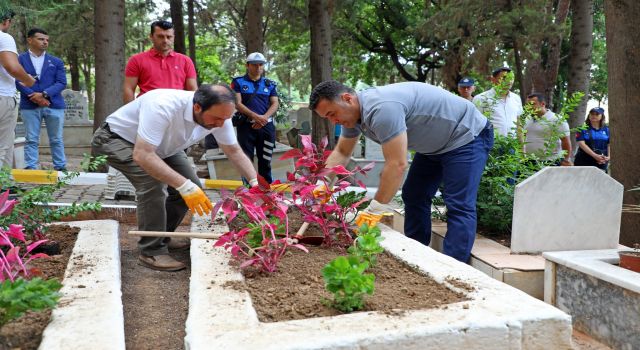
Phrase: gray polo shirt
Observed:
(436, 121)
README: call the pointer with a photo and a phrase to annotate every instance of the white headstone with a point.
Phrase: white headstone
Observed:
(372, 150)
(566, 208)
(76, 108)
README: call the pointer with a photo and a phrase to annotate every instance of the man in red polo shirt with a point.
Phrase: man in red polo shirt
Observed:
(160, 67)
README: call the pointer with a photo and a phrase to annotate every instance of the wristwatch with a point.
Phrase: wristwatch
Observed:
(45, 95)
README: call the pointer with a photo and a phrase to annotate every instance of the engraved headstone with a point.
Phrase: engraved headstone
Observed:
(566, 208)
(77, 108)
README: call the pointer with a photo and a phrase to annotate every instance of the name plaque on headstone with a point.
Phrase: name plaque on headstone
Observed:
(77, 108)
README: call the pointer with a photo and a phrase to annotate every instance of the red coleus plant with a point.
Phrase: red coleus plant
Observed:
(264, 238)
(328, 211)
(12, 264)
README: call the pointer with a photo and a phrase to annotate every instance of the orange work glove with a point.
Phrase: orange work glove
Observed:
(372, 214)
(321, 193)
(194, 197)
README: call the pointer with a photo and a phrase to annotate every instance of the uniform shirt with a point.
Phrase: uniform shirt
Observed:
(436, 121)
(600, 138)
(540, 129)
(503, 112)
(155, 71)
(7, 82)
(164, 118)
(261, 102)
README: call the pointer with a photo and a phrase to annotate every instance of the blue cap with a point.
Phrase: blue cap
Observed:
(500, 69)
(466, 81)
(598, 110)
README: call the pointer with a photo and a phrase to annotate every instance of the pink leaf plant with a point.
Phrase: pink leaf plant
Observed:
(263, 237)
(12, 264)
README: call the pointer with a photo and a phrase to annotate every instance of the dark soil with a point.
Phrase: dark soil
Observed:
(25, 332)
(296, 290)
(155, 302)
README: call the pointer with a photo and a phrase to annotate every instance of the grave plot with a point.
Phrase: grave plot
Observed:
(495, 316)
(603, 298)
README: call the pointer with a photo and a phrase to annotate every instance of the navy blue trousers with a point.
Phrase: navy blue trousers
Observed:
(459, 171)
(261, 141)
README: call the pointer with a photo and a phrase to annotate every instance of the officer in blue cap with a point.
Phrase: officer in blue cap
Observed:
(466, 87)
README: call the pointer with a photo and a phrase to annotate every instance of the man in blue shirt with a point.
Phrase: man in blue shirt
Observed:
(43, 100)
(257, 101)
(451, 138)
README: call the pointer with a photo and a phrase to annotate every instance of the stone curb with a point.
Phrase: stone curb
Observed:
(90, 313)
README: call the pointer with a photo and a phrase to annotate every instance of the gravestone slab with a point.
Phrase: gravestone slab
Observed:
(566, 208)
(77, 108)
(372, 150)
(303, 115)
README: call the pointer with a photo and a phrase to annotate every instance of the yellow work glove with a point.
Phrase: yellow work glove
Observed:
(372, 214)
(195, 198)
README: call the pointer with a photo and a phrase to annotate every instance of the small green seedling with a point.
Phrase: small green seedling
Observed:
(345, 278)
(366, 246)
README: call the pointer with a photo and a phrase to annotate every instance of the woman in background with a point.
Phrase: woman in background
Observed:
(593, 142)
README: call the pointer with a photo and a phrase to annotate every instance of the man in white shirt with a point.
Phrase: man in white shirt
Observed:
(145, 139)
(546, 134)
(500, 105)
(10, 69)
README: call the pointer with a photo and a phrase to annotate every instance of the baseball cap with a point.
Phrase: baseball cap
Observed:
(466, 81)
(598, 110)
(500, 69)
(256, 57)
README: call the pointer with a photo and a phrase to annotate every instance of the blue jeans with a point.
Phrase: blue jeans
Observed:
(459, 170)
(54, 121)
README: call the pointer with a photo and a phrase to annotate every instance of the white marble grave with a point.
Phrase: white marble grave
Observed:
(566, 208)
(76, 110)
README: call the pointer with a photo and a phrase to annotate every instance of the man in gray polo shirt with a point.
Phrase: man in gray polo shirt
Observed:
(451, 139)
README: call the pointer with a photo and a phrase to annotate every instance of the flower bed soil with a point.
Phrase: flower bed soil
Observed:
(296, 290)
(25, 332)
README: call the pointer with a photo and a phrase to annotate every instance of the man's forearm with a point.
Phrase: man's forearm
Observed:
(390, 181)
(127, 95)
(273, 108)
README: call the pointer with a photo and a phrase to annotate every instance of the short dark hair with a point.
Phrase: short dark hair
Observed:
(164, 25)
(6, 14)
(208, 95)
(33, 31)
(329, 90)
(541, 97)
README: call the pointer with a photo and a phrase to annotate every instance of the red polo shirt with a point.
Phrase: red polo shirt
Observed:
(155, 71)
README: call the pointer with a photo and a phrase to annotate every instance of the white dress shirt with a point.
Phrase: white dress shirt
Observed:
(37, 61)
(503, 112)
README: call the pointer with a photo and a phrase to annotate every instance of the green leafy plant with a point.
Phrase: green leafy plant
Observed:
(21, 295)
(345, 278)
(366, 246)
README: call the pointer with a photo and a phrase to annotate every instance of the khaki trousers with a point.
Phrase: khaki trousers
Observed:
(8, 121)
(160, 207)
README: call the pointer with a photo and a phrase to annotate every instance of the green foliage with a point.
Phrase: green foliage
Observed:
(284, 106)
(345, 278)
(255, 236)
(366, 246)
(347, 199)
(22, 295)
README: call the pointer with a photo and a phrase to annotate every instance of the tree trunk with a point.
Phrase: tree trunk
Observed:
(623, 59)
(580, 59)
(518, 70)
(192, 34)
(109, 51)
(74, 70)
(254, 13)
(542, 73)
(320, 59)
(175, 7)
